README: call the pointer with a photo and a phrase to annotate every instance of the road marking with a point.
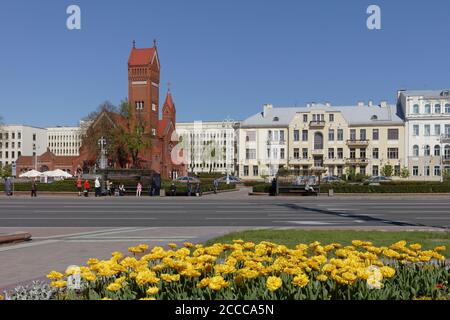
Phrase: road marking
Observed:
(81, 218)
(134, 240)
(106, 231)
(308, 222)
(27, 245)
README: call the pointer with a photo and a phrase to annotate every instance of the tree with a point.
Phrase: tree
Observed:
(387, 170)
(133, 137)
(404, 173)
(6, 171)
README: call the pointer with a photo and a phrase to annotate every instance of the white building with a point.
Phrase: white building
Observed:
(64, 141)
(209, 146)
(17, 140)
(427, 132)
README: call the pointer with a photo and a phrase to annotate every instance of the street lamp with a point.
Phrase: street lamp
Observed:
(103, 160)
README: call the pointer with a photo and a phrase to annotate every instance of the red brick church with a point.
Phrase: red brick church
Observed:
(143, 96)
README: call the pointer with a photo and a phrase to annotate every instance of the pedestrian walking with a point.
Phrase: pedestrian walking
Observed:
(198, 190)
(189, 188)
(138, 189)
(33, 189)
(8, 187)
(87, 186)
(79, 186)
(216, 185)
(98, 187)
(109, 187)
(121, 190)
(173, 189)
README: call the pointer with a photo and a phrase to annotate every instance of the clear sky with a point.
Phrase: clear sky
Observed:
(223, 58)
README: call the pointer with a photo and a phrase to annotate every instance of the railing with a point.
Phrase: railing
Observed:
(276, 142)
(357, 142)
(446, 159)
(317, 151)
(360, 161)
(317, 124)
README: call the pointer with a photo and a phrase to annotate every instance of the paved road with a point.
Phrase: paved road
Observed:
(417, 211)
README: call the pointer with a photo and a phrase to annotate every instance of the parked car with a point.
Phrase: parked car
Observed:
(331, 179)
(231, 179)
(377, 180)
(185, 179)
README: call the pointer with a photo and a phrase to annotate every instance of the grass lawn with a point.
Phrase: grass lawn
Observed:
(428, 240)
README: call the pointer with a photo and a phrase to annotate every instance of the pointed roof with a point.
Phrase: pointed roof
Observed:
(169, 101)
(144, 56)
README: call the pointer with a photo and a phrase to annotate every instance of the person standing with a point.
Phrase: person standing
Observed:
(8, 187)
(189, 188)
(87, 186)
(79, 186)
(33, 189)
(108, 187)
(198, 190)
(216, 185)
(138, 189)
(97, 186)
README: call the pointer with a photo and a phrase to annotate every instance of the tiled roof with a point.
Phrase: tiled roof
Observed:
(140, 57)
(427, 94)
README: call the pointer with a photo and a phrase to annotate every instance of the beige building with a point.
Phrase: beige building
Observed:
(322, 138)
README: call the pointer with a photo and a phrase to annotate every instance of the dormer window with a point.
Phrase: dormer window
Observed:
(374, 117)
(276, 119)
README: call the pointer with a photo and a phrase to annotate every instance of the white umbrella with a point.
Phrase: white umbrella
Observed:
(31, 174)
(61, 173)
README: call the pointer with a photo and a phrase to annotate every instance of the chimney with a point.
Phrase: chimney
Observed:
(370, 103)
(383, 104)
(399, 92)
(360, 103)
(266, 108)
(328, 104)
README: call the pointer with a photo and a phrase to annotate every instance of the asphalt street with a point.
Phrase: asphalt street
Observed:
(418, 211)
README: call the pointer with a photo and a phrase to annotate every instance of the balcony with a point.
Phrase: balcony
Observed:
(317, 124)
(276, 142)
(357, 143)
(357, 161)
(446, 159)
(317, 152)
(445, 138)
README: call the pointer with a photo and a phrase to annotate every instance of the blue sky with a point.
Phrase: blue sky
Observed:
(223, 58)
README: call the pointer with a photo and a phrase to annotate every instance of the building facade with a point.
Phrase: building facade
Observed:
(427, 126)
(324, 139)
(21, 140)
(64, 141)
(209, 146)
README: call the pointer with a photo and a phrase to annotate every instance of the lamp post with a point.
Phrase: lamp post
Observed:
(103, 160)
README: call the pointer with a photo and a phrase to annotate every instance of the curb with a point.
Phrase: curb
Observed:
(14, 237)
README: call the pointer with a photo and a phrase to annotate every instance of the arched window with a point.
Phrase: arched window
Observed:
(416, 109)
(447, 152)
(437, 150)
(416, 151)
(426, 151)
(318, 141)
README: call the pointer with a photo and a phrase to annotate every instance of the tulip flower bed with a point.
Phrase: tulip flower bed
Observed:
(246, 270)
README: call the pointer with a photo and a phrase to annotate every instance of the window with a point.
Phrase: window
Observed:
(352, 153)
(362, 134)
(415, 151)
(281, 135)
(392, 134)
(416, 130)
(375, 171)
(375, 153)
(437, 129)
(305, 153)
(427, 130)
(437, 171)
(437, 150)
(13, 155)
(305, 135)
(19, 135)
(340, 135)
(427, 108)
(34, 136)
(426, 171)
(153, 106)
(426, 151)
(153, 132)
(447, 152)
(331, 153)
(251, 136)
(282, 153)
(250, 154)
(245, 170)
(255, 171)
(296, 135)
(416, 109)
(139, 105)
(362, 153)
(331, 135)
(340, 171)
(352, 134)
(340, 153)
(392, 153)
(447, 108)
(447, 130)
(318, 141)
(268, 153)
(437, 108)
(331, 117)
(415, 171)
(375, 134)
(305, 118)
(296, 153)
